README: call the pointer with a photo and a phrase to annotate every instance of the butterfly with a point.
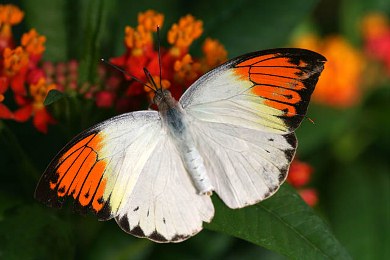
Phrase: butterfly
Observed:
(231, 132)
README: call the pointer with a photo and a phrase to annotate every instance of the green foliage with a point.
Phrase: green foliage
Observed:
(283, 223)
(348, 149)
(53, 96)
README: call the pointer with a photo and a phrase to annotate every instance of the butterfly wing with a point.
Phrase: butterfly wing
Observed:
(127, 168)
(243, 115)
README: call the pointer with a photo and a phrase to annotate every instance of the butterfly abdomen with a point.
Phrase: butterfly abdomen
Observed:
(174, 119)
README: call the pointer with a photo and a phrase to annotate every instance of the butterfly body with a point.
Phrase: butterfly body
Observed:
(231, 133)
(175, 122)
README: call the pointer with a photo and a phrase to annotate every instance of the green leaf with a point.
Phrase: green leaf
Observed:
(284, 224)
(53, 96)
(95, 23)
(33, 232)
(358, 208)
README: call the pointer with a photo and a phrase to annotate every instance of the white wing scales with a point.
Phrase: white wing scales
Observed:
(164, 205)
(244, 165)
(241, 119)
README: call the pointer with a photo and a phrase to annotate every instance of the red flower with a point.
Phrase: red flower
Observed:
(376, 33)
(105, 98)
(179, 68)
(309, 196)
(34, 106)
(299, 173)
(5, 113)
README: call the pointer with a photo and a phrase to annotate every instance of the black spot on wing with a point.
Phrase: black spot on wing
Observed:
(282, 175)
(137, 231)
(123, 222)
(155, 236)
(105, 213)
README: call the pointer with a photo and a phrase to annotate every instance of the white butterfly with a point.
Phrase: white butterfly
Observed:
(231, 132)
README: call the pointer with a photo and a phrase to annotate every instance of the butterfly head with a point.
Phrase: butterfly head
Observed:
(162, 98)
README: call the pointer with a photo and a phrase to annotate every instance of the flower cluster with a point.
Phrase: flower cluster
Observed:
(376, 36)
(340, 82)
(20, 73)
(299, 176)
(179, 67)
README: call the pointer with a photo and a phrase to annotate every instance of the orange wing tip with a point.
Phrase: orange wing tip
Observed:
(78, 173)
(76, 163)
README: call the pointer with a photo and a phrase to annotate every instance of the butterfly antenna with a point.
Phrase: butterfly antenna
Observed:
(159, 53)
(129, 75)
(150, 78)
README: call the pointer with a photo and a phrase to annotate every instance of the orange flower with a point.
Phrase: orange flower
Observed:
(34, 106)
(15, 66)
(39, 92)
(179, 68)
(339, 84)
(142, 36)
(215, 54)
(376, 34)
(186, 69)
(9, 15)
(150, 20)
(137, 38)
(14, 60)
(182, 35)
(375, 25)
(33, 43)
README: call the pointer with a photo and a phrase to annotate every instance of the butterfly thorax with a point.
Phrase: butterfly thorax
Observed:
(175, 122)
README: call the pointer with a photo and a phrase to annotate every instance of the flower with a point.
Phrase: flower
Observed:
(339, 84)
(182, 34)
(20, 72)
(5, 113)
(299, 176)
(9, 15)
(299, 173)
(179, 68)
(214, 52)
(376, 35)
(15, 66)
(310, 196)
(34, 106)
(33, 44)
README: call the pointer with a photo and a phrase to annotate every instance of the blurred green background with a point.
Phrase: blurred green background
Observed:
(348, 146)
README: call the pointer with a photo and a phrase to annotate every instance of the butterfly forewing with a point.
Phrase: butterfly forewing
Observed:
(271, 88)
(243, 117)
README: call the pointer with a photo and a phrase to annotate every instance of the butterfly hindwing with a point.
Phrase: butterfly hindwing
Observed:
(128, 169)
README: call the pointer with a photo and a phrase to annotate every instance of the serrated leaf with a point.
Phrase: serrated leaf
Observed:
(284, 224)
(53, 96)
